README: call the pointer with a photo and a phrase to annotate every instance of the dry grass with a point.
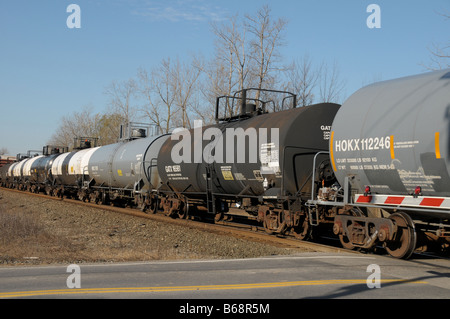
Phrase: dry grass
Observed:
(45, 231)
(23, 237)
(18, 225)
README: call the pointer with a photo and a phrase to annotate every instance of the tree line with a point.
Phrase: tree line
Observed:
(174, 93)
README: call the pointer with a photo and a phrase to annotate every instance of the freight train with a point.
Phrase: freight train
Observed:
(374, 171)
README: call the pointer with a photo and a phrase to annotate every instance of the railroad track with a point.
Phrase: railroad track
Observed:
(227, 228)
(247, 232)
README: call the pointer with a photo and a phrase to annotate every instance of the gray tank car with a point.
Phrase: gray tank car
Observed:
(126, 169)
(394, 136)
(389, 149)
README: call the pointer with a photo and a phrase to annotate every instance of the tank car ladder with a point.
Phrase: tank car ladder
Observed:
(209, 190)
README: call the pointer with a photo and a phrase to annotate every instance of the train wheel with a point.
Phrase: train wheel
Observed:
(49, 190)
(104, 198)
(93, 197)
(274, 222)
(61, 193)
(218, 217)
(269, 222)
(303, 230)
(345, 240)
(183, 210)
(141, 202)
(153, 207)
(404, 243)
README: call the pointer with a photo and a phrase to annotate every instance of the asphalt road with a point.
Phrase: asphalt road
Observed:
(236, 282)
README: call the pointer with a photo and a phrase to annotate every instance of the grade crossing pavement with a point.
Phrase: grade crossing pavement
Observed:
(306, 275)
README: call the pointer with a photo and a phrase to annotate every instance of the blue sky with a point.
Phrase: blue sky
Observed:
(48, 70)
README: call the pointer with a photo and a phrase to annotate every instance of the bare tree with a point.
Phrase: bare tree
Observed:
(150, 108)
(121, 94)
(230, 65)
(108, 129)
(83, 123)
(169, 92)
(265, 44)
(186, 76)
(440, 53)
(86, 123)
(301, 79)
(162, 108)
(3, 151)
(210, 85)
(247, 55)
(440, 57)
(331, 87)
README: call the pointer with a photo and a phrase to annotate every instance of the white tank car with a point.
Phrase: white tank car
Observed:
(17, 169)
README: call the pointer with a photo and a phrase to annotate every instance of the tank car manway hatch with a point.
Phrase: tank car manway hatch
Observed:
(82, 142)
(134, 130)
(249, 107)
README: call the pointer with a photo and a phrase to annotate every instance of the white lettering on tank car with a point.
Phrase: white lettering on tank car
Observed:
(326, 132)
(347, 145)
(366, 144)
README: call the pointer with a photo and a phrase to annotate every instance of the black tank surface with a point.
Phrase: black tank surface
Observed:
(41, 168)
(270, 154)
